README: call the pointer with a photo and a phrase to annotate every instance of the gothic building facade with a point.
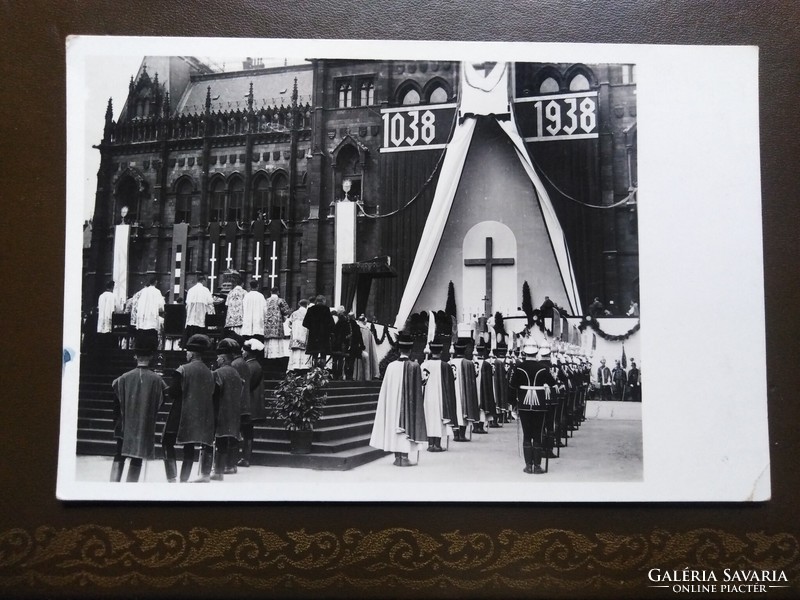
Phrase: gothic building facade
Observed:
(243, 170)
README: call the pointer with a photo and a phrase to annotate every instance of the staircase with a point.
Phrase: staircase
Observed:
(341, 436)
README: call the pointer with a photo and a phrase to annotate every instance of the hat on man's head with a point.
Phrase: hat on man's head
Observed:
(500, 350)
(228, 346)
(544, 350)
(198, 343)
(436, 347)
(461, 345)
(254, 345)
(145, 344)
(481, 349)
(405, 341)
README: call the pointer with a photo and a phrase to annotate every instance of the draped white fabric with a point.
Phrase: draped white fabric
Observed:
(550, 218)
(452, 166)
(120, 268)
(480, 96)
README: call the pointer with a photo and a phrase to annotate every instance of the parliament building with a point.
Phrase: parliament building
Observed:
(215, 171)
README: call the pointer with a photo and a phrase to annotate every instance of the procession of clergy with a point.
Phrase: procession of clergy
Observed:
(213, 412)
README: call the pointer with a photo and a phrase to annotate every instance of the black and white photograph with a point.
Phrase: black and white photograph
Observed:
(408, 272)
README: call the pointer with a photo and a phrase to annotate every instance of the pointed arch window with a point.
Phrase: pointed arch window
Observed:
(183, 202)
(410, 97)
(235, 199)
(438, 95)
(345, 94)
(549, 86)
(261, 198)
(217, 212)
(579, 83)
(280, 197)
(367, 93)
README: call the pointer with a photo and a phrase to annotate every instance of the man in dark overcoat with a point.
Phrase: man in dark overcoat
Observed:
(241, 367)
(319, 322)
(191, 417)
(228, 386)
(252, 350)
(138, 395)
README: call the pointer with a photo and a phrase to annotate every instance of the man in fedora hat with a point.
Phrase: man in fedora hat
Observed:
(400, 416)
(440, 397)
(138, 394)
(467, 409)
(191, 417)
(228, 387)
(533, 380)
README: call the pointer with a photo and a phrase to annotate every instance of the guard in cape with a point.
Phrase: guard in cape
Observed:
(500, 385)
(533, 380)
(191, 417)
(440, 397)
(400, 416)
(138, 394)
(485, 386)
(228, 386)
(467, 409)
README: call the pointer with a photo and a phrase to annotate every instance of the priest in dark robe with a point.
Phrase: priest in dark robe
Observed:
(138, 394)
(467, 409)
(400, 416)
(319, 322)
(440, 398)
(485, 386)
(191, 417)
(533, 380)
(228, 386)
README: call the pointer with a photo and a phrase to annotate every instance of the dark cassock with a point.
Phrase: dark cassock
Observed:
(440, 398)
(138, 395)
(319, 322)
(191, 417)
(467, 409)
(533, 381)
(400, 416)
(485, 386)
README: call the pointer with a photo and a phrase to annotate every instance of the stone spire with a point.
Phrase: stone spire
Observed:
(208, 99)
(250, 98)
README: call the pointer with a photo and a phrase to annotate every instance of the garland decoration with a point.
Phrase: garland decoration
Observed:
(589, 321)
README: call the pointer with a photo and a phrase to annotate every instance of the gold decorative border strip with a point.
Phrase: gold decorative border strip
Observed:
(260, 559)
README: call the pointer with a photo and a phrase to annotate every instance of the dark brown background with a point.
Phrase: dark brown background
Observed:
(48, 548)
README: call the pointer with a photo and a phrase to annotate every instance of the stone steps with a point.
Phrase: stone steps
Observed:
(340, 440)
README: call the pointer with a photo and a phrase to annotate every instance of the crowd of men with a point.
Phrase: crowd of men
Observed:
(213, 412)
(421, 404)
(313, 331)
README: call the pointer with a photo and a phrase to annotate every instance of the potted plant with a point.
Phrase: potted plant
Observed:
(299, 400)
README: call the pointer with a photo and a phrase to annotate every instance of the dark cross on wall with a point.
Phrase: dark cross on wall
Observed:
(488, 263)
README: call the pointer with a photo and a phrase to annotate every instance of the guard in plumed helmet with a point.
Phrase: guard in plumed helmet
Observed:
(228, 386)
(467, 409)
(138, 394)
(533, 381)
(191, 417)
(400, 415)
